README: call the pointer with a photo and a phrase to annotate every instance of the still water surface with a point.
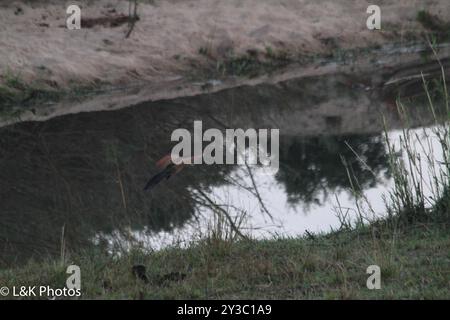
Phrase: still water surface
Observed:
(82, 175)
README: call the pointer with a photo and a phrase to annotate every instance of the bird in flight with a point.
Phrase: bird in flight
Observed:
(168, 169)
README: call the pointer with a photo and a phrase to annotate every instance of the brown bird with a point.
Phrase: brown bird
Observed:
(169, 169)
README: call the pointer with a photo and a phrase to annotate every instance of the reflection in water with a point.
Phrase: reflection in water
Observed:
(87, 175)
(84, 173)
(316, 165)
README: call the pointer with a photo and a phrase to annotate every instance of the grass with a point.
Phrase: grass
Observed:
(18, 95)
(414, 265)
(15, 91)
(439, 29)
(251, 64)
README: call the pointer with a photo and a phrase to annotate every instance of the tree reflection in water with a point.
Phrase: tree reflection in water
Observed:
(313, 167)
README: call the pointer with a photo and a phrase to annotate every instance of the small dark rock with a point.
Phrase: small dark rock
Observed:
(106, 285)
(252, 53)
(173, 276)
(18, 11)
(139, 272)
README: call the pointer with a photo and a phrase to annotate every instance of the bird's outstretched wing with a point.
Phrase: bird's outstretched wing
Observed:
(164, 161)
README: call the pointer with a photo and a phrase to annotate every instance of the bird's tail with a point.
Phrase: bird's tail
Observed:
(157, 178)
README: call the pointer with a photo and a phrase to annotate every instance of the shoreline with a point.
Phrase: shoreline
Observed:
(391, 63)
(96, 68)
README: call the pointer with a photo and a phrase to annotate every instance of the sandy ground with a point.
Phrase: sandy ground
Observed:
(164, 46)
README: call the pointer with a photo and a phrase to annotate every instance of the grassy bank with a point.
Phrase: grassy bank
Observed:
(414, 264)
(18, 96)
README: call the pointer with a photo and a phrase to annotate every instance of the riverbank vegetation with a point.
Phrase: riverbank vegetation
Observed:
(414, 262)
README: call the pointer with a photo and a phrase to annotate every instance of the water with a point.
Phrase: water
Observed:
(81, 176)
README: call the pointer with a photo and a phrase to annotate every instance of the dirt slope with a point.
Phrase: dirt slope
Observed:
(174, 39)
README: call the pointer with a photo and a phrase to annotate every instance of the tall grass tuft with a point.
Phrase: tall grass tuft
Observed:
(419, 163)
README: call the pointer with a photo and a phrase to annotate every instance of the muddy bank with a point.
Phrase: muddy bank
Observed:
(184, 48)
